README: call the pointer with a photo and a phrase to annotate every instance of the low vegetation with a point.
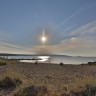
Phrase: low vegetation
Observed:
(91, 63)
(8, 83)
(48, 80)
(5, 61)
(33, 91)
(43, 91)
(2, 63)
(61, 64)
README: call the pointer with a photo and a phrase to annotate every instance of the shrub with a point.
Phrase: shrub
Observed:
(61, 64)
(18, 82)
(9, 83)
(33, 91)
(30, 91)
(2, 63)
(89, 91)
(36, 62)
(89, 63)
(92, 63)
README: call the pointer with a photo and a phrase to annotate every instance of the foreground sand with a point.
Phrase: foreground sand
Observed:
(58, 79)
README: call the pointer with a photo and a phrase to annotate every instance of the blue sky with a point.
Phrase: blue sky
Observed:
(70, 26)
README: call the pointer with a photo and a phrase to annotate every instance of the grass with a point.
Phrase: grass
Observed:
(67, 80)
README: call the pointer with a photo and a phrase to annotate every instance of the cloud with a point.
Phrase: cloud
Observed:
(85, 30)
(60, 47)
(81, 42)
(73, 46)
(11, 48)
(78, 42)
(74, 14)
(67, 19)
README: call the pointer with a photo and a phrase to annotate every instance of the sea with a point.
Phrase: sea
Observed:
(54, 59)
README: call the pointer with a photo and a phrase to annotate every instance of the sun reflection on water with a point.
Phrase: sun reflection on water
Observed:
(38, 59)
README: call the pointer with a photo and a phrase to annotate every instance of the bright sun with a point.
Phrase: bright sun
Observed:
(43, 38)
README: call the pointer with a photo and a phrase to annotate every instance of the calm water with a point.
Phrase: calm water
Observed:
(57, 59)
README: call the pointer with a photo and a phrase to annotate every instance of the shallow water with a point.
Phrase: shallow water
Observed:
(56, 59)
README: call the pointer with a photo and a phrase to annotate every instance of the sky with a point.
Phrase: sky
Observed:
(69, 26)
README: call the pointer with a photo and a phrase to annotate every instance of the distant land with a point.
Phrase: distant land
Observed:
(10, 54)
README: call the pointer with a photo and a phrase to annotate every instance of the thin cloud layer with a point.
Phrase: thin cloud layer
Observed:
(15, 49)
(85, 30)
(81, 43)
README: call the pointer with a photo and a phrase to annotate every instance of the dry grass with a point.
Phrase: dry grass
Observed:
(58, 79)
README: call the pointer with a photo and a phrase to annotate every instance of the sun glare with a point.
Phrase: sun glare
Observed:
(43, 38)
